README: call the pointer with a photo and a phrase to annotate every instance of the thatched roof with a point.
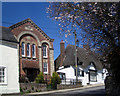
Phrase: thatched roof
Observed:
(83, 56)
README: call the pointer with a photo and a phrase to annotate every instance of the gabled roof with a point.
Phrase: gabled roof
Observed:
(34, 25)
(7, 35)
(83, 56)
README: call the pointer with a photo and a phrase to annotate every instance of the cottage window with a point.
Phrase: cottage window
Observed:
(45, 67)
(93, 76)
(33, 50)
(78, 71)
(23, 49)
(102, 76)
(28, 49)
(44, 50)
(2, 75)
(81, 73)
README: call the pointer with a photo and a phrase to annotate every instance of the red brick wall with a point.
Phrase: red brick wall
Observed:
(17, 31)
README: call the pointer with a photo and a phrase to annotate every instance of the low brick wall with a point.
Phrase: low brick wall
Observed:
(68, 86)
(32, 87)
(35, 87)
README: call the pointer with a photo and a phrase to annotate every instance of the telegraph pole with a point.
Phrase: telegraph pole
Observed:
(76, 56)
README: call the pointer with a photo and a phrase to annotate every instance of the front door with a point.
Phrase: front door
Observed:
(32, 74)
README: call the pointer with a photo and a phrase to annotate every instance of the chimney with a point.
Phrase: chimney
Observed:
(62, 49)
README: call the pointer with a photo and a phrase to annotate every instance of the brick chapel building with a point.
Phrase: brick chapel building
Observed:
(35, 50)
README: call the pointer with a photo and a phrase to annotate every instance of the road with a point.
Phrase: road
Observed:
(96, 91)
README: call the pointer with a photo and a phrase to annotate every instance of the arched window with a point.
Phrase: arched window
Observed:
(23, 49)
(33, 51)
(44, 50)
(28, 49)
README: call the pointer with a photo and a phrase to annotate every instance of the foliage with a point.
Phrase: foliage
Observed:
(23, 79)
(39, 78)
(55, 79)
(99, 21)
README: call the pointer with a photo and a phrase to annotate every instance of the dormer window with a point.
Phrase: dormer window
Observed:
(44, 51)
(23, 49)
(33, 51)
(28, 49)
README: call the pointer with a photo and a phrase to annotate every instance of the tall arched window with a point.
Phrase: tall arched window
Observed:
(23, 49)
(44, 50)
(28, 49)
(33, 51)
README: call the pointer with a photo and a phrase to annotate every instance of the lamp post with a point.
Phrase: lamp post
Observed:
(76, 45)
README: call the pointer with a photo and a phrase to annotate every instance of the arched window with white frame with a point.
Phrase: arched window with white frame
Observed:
(33, 51)
(28, 49)
(23, 49)
(44, 51)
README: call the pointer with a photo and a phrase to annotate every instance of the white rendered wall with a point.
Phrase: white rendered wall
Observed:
(9, 58)
(70, 74)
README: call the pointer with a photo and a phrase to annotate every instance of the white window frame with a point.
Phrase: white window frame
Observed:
(82, 73)
(93, 78)
(27, 50)
(5, 75)
(45, 51)
(23, 45)
(103, 76)
(45, 67)
(33, 45)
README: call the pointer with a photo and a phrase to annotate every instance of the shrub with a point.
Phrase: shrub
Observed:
(55, 79)
(39, 78)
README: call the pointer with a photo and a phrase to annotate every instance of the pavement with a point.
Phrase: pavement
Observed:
(65, 90)
(56, 91)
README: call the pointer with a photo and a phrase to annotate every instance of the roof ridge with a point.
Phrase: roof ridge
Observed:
(29, 20)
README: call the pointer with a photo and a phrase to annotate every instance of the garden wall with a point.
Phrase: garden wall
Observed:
(35, 87)
(32, 87)
(68, 86)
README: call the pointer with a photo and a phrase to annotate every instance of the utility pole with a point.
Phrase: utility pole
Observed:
(76, 56)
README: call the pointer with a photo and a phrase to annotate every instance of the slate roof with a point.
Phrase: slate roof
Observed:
(83, 55)
(7, 35)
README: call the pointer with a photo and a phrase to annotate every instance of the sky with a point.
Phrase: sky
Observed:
(14, 12)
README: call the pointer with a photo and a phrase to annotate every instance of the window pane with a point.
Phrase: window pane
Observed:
(44, 50)
(78, 72)
(23, 48)
(33, 50)
(93, 76)
(45, 67)
(28, 49)
(2, 75)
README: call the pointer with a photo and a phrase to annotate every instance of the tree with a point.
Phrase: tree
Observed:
(39, 78)
(100, 24)
(55, 79)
